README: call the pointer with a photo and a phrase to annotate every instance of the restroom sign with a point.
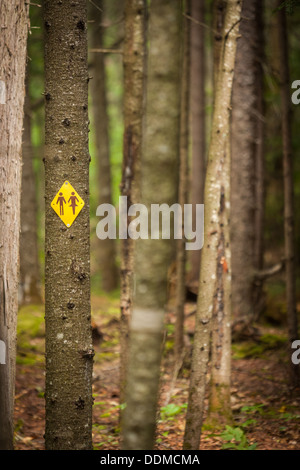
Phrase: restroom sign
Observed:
(67, 204)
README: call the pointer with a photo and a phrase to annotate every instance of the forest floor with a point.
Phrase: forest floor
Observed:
(266, 411)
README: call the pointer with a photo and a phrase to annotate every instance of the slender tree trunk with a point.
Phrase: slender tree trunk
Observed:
(134, 56)
(219, 412)
(197, 109)
(244, 138)
(259, 160)
(14, 27)
(30, 289)
(106, 250)
(215, 272)
(69, 353)
(153, 257)
(181, 257)
(218, 25)
(290, 259)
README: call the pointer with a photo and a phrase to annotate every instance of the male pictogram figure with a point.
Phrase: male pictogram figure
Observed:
(73, 200)
(61, 200)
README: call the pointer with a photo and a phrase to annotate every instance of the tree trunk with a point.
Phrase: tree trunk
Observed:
(215, 271)
(244, 138)
(218, 25)
(197, 109)
(134, 57)
(219, 412)
(69, 353)
(183, 190)
(290, 259)
(153, 256)
(259, 160)
(14, 27)
(106, 250)
(30, 289)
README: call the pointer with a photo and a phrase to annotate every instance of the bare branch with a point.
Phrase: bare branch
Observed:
(107, 51)
(269, 272)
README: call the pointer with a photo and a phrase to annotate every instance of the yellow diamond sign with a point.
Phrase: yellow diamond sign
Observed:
(67, 204)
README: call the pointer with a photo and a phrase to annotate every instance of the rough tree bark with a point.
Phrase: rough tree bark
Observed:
(215, 271)
(288, 182)
(14, 27)
(197, 110)
(29, 287)
(153, 256)
(69, 352)
(106, 250)
(244, 138)
(134, 59)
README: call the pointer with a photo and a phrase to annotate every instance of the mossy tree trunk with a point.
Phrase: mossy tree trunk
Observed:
(134, 62)
(69, 353)
(159, 180)
(106, 249)
(14, 28)
(214, 309)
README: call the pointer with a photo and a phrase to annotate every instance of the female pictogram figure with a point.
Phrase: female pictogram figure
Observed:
(73, 200)
(61, 200)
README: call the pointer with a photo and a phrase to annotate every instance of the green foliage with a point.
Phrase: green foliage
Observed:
(19, 425)
(40, 392)
(99, 427)
(262, 410)
(257, 408)
(289, 6)
(236, 439)
(171, 410)
(170, 328)
(248, 423)
(289, 416)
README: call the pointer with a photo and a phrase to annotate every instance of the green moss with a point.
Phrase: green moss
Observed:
(273, 341)
(28, 359)
(169, 345)
(208, 426)
(219, 411)
(112, 342)
(252, 349)
(31, 321)
(30, 335)
(106, 356)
